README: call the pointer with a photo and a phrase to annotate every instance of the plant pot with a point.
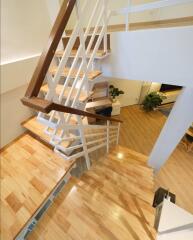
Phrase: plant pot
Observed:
(114, 100)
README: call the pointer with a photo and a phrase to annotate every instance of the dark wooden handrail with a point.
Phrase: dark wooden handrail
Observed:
(48, 53)
(45, 106)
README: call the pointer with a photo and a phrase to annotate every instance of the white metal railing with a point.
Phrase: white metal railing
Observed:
(86, 142)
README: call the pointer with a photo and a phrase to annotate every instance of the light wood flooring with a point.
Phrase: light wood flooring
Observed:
(110, 201)
(139, 132)
(29, 172)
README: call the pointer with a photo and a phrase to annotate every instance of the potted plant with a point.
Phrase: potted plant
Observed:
(152, 101)
(114, 92)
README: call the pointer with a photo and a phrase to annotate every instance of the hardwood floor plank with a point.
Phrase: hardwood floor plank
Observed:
(139, 132)
(105, 203)
(29, 172)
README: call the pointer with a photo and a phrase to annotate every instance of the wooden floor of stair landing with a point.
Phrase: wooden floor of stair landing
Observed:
(139, 132)
(110, 201)
(29, 172)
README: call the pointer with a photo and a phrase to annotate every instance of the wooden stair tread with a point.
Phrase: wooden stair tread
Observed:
(91, 75)
(129, 163)
(99, 53)
(139, 177)
(131, 184)
(117, 195)
(128, 169)
(129, 153)
(37, 130)
(83, 95)
(100, 205)
(98, 104)
(29, 172)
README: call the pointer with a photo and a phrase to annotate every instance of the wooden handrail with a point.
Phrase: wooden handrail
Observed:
(48, 53)
(45, 106)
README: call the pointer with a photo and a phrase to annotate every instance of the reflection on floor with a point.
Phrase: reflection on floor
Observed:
(113, 200)
(139, 132)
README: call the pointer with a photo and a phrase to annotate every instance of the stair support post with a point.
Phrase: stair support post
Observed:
(179, 120)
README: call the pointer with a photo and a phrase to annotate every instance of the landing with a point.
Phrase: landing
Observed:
(29, 172)
(139, 131)
(110, 201)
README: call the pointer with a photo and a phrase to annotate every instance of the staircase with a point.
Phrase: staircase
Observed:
(110, 201)
(41, 199)
(69, 81)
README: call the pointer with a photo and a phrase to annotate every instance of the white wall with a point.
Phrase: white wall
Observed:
(148, 87)
(179, 120)
(132, 91)
(16, 74)
(156, 55)
(183, 10)
(13, 112)
(155, 87)
(178, 11)
(175, 223)
(25, 27)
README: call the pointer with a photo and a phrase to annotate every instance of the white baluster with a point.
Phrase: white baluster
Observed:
(82, 135)
(127, 17)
